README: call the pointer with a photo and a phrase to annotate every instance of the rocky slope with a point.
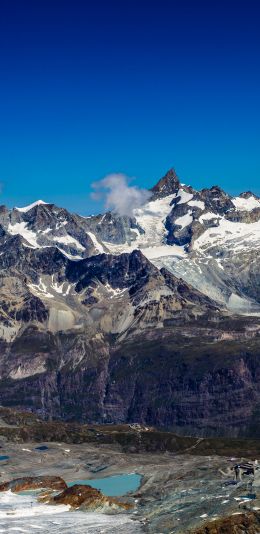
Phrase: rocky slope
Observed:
(151, 318)
(236, 524)
(83, 497)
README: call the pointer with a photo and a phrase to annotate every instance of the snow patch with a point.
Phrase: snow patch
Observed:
(69, 240)
(57, 288)
(115, 292)
(70, 256)
(185, 220)
(197, 203)
(23, 230)
(208, 216)
(246, 204)
(96, 243)
(40, 290)
(185, 197)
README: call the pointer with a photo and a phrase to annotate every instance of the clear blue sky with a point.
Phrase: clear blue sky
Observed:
(88, 88)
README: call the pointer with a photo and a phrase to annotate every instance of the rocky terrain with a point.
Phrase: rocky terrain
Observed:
(150, 318)
(187, 484)
(235, 524)
(54, 490)
(84, 497)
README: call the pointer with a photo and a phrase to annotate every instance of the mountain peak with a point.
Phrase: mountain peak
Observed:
(248, 194)
(167, 185)
(30, 206)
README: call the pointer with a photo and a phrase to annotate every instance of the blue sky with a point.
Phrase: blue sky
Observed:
(90, 88)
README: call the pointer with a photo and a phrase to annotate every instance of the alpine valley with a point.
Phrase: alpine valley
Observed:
(152, 318)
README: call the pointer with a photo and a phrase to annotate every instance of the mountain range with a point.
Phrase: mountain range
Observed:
(152, 317)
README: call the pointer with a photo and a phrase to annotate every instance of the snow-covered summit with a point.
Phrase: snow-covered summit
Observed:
(246, 203)
(30, 206)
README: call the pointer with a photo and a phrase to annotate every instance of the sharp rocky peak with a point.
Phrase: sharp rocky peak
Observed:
(167, 185)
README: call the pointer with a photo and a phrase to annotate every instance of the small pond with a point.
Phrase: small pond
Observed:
(113, 486)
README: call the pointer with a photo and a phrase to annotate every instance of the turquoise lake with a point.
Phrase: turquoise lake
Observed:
(113, 486)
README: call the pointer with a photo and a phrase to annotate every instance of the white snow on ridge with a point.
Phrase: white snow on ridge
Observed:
(230, 235)
(96, 243)
(21, 229)
(68, 240)
(28, 208)
(246, 204)
(70, 256)
(31, 237)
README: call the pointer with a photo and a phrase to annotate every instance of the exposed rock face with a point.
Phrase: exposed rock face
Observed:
(113, 228)
(167, 185)
(187, 380)
(88, 498)
(31, 483)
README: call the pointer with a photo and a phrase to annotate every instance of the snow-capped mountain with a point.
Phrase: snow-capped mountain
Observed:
(207, 237)
(90, 306)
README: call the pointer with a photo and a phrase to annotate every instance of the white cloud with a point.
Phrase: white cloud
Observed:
(118, 195)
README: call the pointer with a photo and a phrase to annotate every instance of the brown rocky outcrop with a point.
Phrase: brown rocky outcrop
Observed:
(234, 524)
(167, 185)
(31, 483)
(87, 497)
